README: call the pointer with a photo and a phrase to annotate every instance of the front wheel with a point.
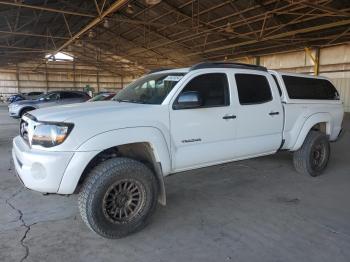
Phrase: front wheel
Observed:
(312, 158)
(118, 197)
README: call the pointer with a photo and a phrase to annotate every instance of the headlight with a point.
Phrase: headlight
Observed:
(50, 134)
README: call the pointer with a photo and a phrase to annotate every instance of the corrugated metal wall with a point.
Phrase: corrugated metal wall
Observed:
(343, 86)
(58, 76)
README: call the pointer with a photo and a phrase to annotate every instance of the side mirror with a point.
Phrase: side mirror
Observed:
(188, 100)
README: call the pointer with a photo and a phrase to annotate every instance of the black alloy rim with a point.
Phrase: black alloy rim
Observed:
(123, 200)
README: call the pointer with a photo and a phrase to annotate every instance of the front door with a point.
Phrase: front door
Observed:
(204, 135)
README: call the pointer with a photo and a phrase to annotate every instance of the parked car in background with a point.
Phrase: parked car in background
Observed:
(55, 98)
(23, 96)
(32, 95)
(102, 97)
(14, 98)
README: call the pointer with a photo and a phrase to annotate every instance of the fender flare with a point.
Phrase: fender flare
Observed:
(112, 138)
(26, 107)
(309, 123)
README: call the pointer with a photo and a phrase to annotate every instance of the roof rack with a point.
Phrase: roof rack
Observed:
(158, 70)
(227, 65)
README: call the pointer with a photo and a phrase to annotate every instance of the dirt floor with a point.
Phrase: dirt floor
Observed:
(254, 210)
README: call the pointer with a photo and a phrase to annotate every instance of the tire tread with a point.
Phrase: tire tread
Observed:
(95, 179)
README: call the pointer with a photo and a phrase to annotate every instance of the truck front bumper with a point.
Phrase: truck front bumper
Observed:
(39, 170)
(49, 171)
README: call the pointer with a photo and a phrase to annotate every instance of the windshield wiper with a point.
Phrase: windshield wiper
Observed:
(130, 101)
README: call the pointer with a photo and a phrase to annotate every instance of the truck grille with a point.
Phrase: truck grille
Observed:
(23, 130)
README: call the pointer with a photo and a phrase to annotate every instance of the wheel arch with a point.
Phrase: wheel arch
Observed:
(152, 150)
(140, 151)
(29, 108)
(320, 122)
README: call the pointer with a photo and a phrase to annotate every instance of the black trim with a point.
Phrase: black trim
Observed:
(229, 117)
(282, 144)
(227, 65)
(31, 117)
(278, 85)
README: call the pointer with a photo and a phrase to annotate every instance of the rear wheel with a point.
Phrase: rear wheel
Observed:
(312, 158)
(118, 197)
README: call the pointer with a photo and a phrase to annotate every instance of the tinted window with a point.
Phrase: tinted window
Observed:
(150, 89)
(278, 85)
(213, 89)
(253, 89)
(310, 88)
(70, 95)
(34, 93)
(52, 96)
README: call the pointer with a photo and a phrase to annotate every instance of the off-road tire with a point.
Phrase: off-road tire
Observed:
(304, 158)
(96, 186)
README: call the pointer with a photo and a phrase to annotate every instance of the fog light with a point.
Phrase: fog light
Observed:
(38, 171)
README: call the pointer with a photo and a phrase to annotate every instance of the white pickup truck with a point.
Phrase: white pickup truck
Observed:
(116, 153)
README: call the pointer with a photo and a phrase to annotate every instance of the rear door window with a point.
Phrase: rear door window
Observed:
(310, 88)
(253, 89)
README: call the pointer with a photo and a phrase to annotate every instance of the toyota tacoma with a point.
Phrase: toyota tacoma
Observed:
(115, 154)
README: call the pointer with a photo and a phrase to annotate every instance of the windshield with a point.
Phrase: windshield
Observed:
(45, 95)
(48, 96)
(42, 95)
(150, 89)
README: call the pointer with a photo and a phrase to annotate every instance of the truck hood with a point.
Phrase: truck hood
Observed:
(65, 113)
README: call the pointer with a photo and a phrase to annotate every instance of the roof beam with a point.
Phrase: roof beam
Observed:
(24, 48)
(276, 36)
(267, 30)
(326, 9)
(44, 8)
(113, 8)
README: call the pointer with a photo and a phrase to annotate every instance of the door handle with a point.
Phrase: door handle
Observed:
(274, 113)
(229, 117)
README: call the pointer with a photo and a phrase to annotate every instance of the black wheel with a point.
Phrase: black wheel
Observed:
(312, 158)
(118, 197)
(25, 110)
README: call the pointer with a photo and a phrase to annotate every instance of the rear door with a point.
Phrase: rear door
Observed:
(259, 114)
